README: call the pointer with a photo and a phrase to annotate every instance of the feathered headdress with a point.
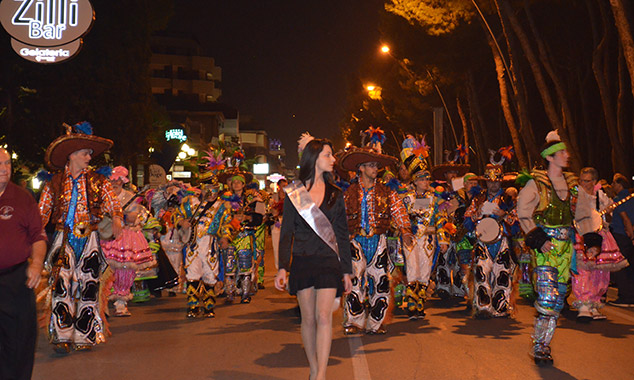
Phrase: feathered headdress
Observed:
(376, 136)
(304, 139)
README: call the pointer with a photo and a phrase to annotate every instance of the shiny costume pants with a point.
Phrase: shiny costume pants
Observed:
(201, 262)
(551, 296)
(451, 274)
(420, 259)
(75, 316)
(238, 261)
(493, 281)
(371, 281)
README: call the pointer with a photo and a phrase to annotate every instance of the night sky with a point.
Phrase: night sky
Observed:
(286, 64)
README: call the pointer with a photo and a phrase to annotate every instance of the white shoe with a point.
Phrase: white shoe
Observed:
(584, 314)
(121, 309)
(597, 315)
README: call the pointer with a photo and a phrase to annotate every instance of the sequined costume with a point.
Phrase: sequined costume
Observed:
(544, 216)
(370, 212)
(592, 276)
(493, 266)
(427, 218)
(202, 262)
(453, 265)
(75, 260)
(128, 253)
(239, 258)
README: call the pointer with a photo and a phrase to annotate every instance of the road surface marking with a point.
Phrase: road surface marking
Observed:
(359, 362)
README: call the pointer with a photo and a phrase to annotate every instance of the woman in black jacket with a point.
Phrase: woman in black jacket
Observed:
(318, 273)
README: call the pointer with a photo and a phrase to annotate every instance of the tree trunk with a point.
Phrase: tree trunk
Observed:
(506, 105)
(465, 128)
(540, 81)
(625, 36)
(600, 70)
(480, 132)
(519, 95)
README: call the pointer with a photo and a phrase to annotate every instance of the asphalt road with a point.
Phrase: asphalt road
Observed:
(262, 341)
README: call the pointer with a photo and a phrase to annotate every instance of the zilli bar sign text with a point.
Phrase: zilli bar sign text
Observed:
(46, 31)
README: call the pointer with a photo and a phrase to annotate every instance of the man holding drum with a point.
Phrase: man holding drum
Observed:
(492, 217)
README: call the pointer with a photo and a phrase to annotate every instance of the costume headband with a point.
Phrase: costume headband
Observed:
(239, 178)
(553, 149)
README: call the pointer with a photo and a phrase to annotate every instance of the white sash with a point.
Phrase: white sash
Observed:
(309, 211)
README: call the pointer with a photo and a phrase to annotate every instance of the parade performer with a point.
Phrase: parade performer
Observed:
(594, 265)
(546, 212)
(452, 263)
(211, 220)
(76, 200)
(371, 207)
(130, 251)
(239, 249)
(428, 218)
(492, 217)
(165, 203)
(315, 235)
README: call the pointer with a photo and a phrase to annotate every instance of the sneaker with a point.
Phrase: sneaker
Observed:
(597, 315)
(380, 331)
(621, 303)
(584, 315)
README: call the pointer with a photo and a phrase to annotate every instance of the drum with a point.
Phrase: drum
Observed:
(488, 230)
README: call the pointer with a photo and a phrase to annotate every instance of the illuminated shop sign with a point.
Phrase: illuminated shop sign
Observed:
(46, 31)
(175, 134)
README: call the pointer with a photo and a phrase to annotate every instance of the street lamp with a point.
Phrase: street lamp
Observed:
(385, 49)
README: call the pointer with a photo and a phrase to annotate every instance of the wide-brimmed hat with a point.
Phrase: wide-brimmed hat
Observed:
(232, 172)
(438, 172)
(58, 151)
(493, 173)
(354, 157)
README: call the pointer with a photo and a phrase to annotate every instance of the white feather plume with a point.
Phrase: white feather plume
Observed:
(552, 136)
(304, 139)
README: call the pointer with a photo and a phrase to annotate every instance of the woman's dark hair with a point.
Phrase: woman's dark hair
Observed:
(307, 165)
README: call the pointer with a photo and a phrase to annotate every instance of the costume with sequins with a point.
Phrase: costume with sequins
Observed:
(370, 212)
(75, 260)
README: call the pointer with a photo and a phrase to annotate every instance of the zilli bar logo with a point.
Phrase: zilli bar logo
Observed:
(46, 31)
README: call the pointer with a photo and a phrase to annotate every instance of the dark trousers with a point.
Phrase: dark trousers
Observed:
(18, 325)
(624, 278)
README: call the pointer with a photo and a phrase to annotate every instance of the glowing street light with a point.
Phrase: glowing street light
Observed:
(370, 87)
(385, 49)
(374, 92)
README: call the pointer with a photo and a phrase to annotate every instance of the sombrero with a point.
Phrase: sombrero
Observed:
(234, 171)
(354, 157)
(438, 172)
(58, 151)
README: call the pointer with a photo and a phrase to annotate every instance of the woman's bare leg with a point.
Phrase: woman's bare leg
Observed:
(324, 300)
(306, 300)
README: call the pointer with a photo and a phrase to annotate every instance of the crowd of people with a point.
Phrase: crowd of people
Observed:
(347, 232)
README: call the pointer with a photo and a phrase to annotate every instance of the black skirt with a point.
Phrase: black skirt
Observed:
(315, 271)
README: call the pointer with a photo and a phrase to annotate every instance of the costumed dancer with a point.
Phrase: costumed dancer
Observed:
(493, 218)
(371, 207)
(452, 264)
(202, 264)
(76, 200)
(238, 249)
(130, 251)
(428, 218)
(591, 279)
(545, 208)
(165, 203)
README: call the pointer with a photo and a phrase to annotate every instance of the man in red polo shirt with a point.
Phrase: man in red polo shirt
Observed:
(21, 237)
